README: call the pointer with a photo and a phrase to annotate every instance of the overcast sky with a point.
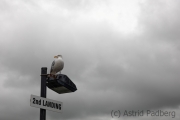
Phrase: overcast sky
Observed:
(121, 54)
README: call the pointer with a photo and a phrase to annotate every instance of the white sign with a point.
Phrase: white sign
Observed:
(45, 103)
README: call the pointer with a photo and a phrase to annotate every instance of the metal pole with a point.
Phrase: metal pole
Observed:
(43, 91)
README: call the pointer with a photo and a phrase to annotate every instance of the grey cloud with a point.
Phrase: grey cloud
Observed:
(112, 70)
(160, 20)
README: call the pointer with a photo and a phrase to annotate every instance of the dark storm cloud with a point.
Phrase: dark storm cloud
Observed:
(112, 70)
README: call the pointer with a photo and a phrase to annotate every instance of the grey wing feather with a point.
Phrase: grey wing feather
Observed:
(52, 66)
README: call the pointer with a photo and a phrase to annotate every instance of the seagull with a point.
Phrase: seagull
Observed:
(57, 65)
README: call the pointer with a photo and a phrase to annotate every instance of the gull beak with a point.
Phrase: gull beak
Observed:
(55, 56)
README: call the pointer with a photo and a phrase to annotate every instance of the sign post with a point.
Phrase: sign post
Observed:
(43, 91)
(60, 84)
